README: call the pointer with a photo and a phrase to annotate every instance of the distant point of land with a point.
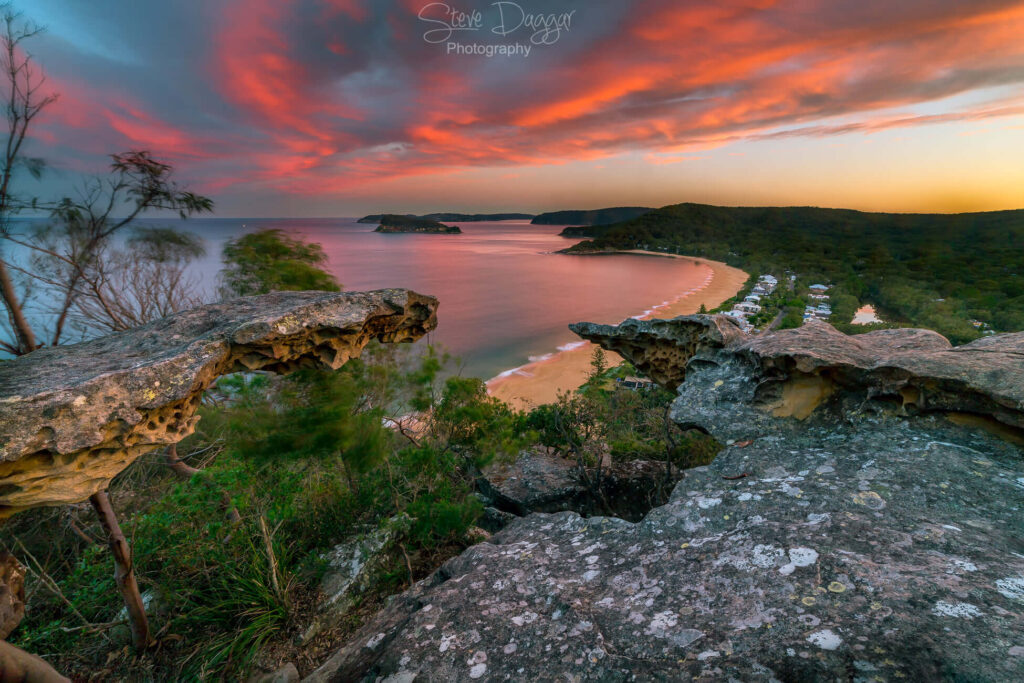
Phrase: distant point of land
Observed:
(614, 214)
(456, 217)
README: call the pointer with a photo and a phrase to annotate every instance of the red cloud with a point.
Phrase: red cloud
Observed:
(99, 122)
(325, 95)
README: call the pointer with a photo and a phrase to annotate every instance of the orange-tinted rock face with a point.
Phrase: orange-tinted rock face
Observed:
(12, 593)
(790, 373)
(72, 417)
(661, 349)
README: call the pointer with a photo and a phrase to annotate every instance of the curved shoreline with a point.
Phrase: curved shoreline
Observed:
(540, 381)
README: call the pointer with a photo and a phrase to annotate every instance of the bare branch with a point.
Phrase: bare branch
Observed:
(23, 104)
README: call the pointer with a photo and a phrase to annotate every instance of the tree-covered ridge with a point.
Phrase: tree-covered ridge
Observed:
(940, 271)
(592, 217)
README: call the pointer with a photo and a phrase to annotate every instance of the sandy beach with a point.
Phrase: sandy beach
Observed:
(541, 381)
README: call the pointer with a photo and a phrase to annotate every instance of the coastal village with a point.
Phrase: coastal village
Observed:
(753, 304)
(820, 308)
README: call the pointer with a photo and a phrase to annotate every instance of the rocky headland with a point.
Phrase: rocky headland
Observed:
(862, 523)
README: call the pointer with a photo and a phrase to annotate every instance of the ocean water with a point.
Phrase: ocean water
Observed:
(505, 297)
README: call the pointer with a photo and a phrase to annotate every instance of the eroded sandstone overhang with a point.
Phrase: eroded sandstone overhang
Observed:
(72, 417)
(662, 349)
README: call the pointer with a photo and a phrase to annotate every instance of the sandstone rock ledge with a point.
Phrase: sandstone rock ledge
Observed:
(72, 417)
(859, 527)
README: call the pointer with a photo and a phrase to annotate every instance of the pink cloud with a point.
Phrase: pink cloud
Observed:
(328, 95)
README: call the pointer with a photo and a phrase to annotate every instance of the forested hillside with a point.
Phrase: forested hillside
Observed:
(939, 271)
(591, 217)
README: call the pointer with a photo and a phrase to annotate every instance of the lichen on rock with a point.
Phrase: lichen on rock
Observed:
(863, 535)
(72, 417)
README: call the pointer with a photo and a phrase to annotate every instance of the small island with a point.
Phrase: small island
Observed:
(393, 223)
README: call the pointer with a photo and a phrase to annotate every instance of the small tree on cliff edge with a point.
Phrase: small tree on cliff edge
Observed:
(598, 364)
(83, 277)
(67, 258)
(24, 104)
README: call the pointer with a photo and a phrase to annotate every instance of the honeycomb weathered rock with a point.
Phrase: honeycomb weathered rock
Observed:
(72, 417)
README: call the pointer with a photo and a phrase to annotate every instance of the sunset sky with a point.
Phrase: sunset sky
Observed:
(343, 107)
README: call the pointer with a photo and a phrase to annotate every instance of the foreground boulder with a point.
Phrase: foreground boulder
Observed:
(72, 417)
(864, 523)
(351, 568)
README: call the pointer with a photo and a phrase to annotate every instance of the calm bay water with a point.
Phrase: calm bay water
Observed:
(505, 298)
